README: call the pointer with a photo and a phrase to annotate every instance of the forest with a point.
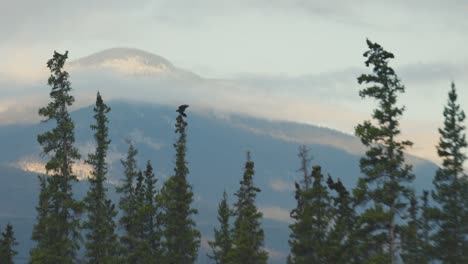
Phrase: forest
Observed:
(383, 219)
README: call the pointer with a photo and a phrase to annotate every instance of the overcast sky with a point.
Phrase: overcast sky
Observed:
(298, 44)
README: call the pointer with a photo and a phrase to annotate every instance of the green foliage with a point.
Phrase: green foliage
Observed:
(222, 243)
(40, 228)
(7, 244)
(128, 206)
(415, 235)
(451, 187)
(101, 245)
(383, 189)
(248, 236)
(141, 217)
(342, 234)
(142, 251)
(323, 228)
(181, 238)
(57, 230)
(151, 215)
(313, 214)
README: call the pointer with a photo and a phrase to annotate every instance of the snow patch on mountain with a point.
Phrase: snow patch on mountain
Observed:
(80, 168)
(128, 61)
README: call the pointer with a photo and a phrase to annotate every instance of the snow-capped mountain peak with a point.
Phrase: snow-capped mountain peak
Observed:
(126, 61)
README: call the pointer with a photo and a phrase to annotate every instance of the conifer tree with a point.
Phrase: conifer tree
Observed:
(451, 187)
(305, 158)
(7, 245)
(128, 206)
(342, 233)
(152, 215)
(414, 235)
(300, 238)
(101, 244)
(58, 234)
(222, 243)
(181, 238)
(383, 189)
(426, 227)
(142, 252)
(39, 229)
(309, 237)
(248, 236)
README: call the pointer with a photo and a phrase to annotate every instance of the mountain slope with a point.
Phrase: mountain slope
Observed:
(216, 153)
(130, 61)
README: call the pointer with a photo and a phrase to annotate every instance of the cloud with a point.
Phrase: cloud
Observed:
(290, 35)
(81, 169)
(427, 73)
(276, 213)
(138, 136)
(327, 99)
(204, 243)
(281, 186)
(275, 254)
(309, 85)
(27, 16)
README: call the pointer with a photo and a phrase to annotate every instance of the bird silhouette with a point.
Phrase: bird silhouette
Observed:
(181, 110)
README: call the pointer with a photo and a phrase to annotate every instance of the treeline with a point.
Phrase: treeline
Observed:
(381, 220)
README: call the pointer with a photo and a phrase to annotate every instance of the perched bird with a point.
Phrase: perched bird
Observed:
(297, 186)
(181, 110)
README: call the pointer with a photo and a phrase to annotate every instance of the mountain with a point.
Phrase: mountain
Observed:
(217, 146)
(225, 121)
(130, 61)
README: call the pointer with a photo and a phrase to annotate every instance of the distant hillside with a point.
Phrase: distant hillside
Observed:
(216, 153)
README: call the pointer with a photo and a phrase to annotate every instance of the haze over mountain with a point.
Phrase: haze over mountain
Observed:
(216, 152)
(264, 76)
(136, 75)
(143, 90)
(225, 120)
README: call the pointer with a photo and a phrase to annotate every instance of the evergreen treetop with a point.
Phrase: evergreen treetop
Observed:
(313, 214)
(152, 215)
(248, 235)
(451, 187)
(222, 243)
(383, 190)
(128, 205)
(415, 234)
(101, 240)
(181, 238)
(342, 234)
(57, 229)
(7, 245)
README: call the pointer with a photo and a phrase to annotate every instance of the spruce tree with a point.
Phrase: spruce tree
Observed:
(128, 206)
(300, 241)
(248, 236)
(305, 158)
(39, 229)
(300, 238)
(342, 233)
(7, 245)
(383, 189)
(142, 252)
(451, 187)
(414, 235)
(101, 240)
(313, 214)
(425, 226)
(58, 235)
(152, 215)
(222, 243)
(181, 238)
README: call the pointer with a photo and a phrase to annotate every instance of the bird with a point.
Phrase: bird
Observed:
(181, 110)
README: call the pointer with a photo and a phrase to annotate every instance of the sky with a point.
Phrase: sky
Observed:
(303, 54)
